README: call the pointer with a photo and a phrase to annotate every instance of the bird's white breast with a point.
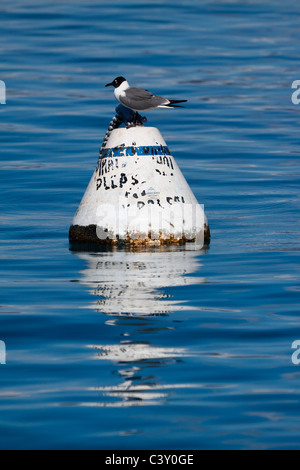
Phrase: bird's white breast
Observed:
(120, 91)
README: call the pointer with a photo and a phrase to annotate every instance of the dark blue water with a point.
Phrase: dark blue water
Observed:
(171, 349)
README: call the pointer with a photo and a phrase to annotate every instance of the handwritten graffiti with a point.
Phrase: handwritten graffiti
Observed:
(107, 165)
(171, 200)
(165, 161)
(115, 181)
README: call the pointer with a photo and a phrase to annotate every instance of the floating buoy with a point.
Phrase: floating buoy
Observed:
(138, 196)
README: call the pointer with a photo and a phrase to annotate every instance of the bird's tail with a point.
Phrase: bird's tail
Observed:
(173, 103)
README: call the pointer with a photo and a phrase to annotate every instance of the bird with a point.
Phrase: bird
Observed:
(139, 99)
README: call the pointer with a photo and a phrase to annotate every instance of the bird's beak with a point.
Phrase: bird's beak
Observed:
(109, 84)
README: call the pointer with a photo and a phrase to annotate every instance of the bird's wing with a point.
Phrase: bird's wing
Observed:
(140, 99)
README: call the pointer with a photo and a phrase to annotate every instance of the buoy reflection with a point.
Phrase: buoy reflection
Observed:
(131, 283)
(124, 284)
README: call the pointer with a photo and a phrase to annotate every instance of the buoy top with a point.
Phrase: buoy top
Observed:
(135, 137)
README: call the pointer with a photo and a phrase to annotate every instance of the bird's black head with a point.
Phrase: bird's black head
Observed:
(117, 82)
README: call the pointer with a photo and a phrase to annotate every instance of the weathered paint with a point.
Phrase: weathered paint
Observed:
(138, 195)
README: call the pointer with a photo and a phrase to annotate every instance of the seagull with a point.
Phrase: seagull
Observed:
(139, 99)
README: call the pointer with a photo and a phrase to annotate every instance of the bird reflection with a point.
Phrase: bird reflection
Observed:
(131, 284)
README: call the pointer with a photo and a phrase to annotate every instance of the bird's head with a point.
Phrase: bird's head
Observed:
(117, 82)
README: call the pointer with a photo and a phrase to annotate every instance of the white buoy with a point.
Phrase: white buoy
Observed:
(138, 195)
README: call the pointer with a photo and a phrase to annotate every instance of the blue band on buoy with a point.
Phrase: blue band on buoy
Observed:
(133, 151)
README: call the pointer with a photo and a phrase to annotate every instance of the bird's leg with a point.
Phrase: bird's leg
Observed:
(135, 118)
(134, 121)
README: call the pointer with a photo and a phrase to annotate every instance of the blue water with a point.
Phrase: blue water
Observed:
(172, 348)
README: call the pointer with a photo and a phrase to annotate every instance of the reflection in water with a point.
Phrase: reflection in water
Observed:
(131, 284)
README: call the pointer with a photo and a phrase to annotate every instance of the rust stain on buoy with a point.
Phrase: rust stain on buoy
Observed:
(88, 234)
